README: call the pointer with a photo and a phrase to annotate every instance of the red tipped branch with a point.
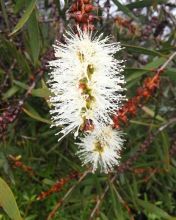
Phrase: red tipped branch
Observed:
(58, 185)
(143, 94)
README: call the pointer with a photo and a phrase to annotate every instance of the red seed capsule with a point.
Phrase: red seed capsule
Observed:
(77, 16)
(84, 18)
(91, 18)
(74, 8)
(88, 8)
(80, 2)
(86, 1)
(91, 27)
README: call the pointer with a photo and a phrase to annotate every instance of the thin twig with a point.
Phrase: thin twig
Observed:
(167, 62)
(12, 112)
(61, 201)
(126, 206)
(101, 198)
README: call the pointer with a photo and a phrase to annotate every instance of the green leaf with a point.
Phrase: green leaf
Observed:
(171, 72)
(34, 36)
(4, 13)
(114, 201)
(5, 166)
(7, 201)
(10, 92)
(36, 116)
(142, 123)
(144, 3)
(151, 208)
(136, 73)
(165, 152)
(152, 113)
(42, 92)
(25, 17)
(142, 50)
(103, 216)
(9, 50)
(124, 9)
(2, 72)
(20, 84)
(19, 5)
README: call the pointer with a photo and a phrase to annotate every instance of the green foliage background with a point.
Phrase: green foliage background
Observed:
(27, 31)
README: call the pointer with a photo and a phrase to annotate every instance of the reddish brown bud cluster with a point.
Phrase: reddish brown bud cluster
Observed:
(58, 185)
(143, 93)
(154, 27)
(9, 116)
(80, 11)
(16, 163)
(125, 23)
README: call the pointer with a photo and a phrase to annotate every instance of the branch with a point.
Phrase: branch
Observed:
(58, 185)
(12, 112)
(143, 93)
(167, 62)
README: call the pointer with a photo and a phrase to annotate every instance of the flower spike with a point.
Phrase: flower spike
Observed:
(101, 149)
(86, 82)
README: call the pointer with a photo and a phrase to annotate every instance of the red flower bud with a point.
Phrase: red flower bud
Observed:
(88, 8)
(74, 8)
(86, 1)
(91, 18)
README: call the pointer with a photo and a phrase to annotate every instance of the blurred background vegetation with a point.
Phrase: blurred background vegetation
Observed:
(32, 160)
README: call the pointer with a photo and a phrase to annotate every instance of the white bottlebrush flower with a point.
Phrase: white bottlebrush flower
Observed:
(85, 81)
(101, 149)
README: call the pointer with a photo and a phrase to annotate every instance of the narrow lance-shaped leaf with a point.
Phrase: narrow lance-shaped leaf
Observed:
(142, 50)
(34, 36)
(2, 3)
(8, 202)
(36, 116)
(25, 17)
(149, 207)
(123, 8)
(144, 3)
